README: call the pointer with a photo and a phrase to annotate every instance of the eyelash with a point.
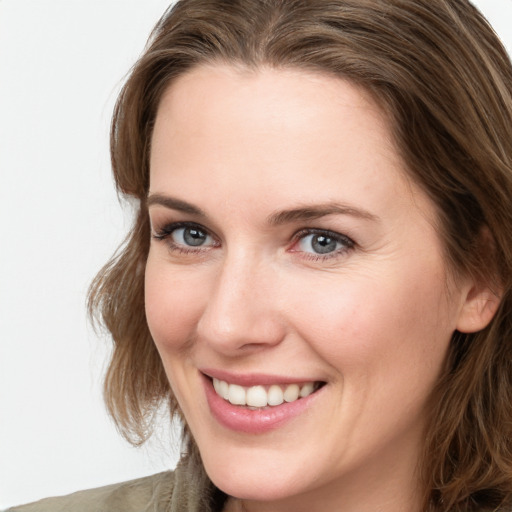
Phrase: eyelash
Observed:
(344, 240)
(164, 234)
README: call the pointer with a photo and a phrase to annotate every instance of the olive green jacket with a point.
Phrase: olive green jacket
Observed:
(182, 490)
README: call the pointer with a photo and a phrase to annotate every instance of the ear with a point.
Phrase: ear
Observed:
(479, 307)
(481, 293)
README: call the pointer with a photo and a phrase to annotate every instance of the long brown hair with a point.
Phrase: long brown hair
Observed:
(442, 76)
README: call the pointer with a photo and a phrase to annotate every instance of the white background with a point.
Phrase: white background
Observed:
(61, 66)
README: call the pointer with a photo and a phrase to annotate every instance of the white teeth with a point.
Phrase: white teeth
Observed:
(223, 389)
(236, 395)
(275, 395)
(259, 396)
(307, 389)
(291, 393)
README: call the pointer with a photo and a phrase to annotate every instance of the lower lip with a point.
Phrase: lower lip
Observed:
(242, 419)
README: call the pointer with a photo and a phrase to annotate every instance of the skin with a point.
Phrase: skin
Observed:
(372, 319)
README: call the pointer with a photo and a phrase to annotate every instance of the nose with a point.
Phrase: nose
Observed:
(243, 310)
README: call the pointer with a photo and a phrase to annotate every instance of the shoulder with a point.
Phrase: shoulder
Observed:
(146, 494)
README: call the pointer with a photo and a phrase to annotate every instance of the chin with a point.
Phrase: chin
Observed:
(252, 483)
(260, 474)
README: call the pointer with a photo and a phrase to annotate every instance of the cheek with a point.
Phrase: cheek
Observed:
(378, 329)
(173, 302)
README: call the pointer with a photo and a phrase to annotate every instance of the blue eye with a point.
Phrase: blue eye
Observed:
(191, 236)
(185, 237)
(323, 243)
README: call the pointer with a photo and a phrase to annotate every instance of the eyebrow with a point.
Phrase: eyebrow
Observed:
(312, 212)
(301, 213)
(174, 204)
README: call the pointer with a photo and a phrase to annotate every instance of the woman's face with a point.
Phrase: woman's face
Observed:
(290, 254)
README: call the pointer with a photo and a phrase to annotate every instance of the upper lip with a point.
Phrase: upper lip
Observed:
(254, 379)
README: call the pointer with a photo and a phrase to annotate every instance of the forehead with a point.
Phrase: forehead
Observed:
(302, 134)
(267, 99)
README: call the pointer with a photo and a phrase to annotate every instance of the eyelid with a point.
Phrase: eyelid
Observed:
(319, 231)
(165, 232)
(168, 227)
(338, 237)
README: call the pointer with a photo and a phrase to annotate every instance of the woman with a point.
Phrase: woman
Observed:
(318, 281)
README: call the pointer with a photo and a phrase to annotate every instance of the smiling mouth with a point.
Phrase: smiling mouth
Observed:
(258, 397)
